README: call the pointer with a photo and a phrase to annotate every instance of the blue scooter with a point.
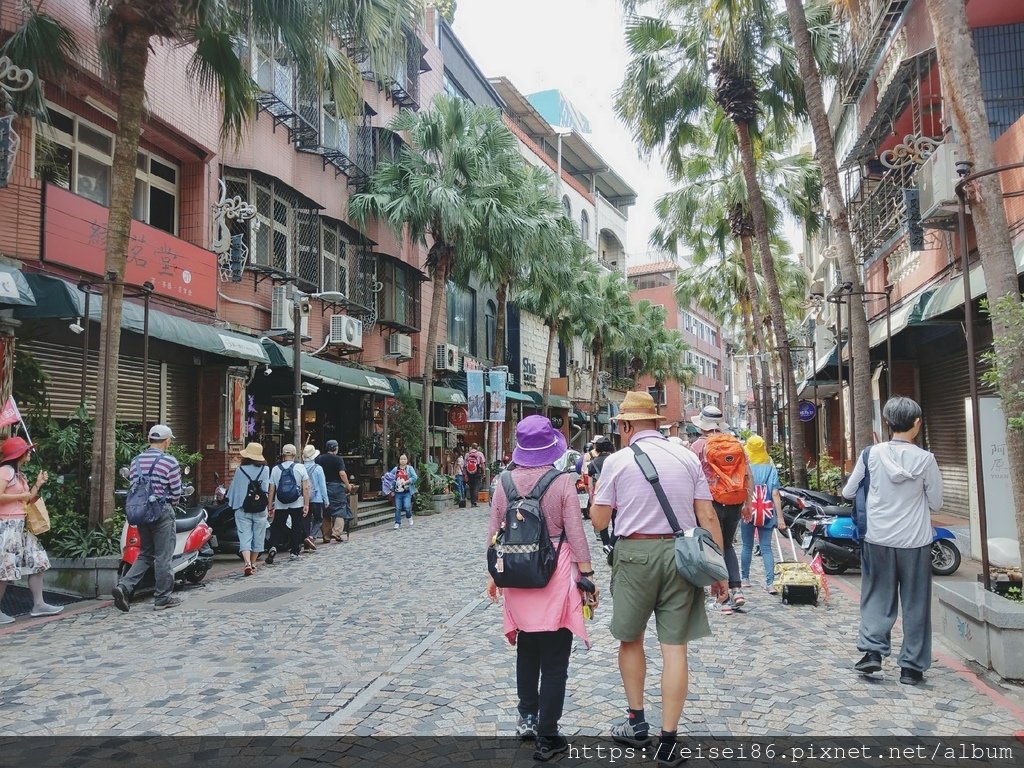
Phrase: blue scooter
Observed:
(833, 537)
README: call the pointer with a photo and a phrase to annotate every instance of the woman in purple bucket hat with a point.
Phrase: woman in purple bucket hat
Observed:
(541, 622)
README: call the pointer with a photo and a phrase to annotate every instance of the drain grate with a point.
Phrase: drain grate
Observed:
(258, 595)
(17, 601)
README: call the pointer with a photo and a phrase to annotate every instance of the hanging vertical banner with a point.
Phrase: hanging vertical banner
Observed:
(476, 400)
(497, 382)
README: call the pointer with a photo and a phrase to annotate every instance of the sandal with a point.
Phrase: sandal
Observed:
(247, 570)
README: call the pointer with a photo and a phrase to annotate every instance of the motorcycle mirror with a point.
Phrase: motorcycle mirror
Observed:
(124, 472)
(187, 491)
(216, 477)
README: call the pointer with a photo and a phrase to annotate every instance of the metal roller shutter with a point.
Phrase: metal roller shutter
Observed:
(63, 368)
(179, 410)
(944, 385)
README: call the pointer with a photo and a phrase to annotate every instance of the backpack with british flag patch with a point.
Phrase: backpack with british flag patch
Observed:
(762, 509)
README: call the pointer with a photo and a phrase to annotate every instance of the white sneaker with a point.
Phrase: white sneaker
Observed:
(46, 610)
(5, 619)
(410, 522)
(397, 526)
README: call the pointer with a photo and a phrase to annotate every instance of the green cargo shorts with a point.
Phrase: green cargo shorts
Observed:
(645, 581)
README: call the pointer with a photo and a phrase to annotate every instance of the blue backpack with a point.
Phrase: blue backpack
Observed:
(287, 486)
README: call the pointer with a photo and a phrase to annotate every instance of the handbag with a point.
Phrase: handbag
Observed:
(698, 559)
(860, 500)
(37, 519)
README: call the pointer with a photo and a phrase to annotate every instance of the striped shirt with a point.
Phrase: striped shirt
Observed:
(624, 487)
(166, 474)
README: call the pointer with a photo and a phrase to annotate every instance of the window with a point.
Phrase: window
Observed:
(584, 226)
(399, 297)
(335, 267)
(462, 318)
(491, 329)
(78, 156)
(567, 206)
(452, 88)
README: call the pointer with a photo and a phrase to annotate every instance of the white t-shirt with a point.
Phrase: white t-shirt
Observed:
(301, 476)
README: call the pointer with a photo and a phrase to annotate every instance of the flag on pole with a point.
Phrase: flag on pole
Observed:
(10, 413)
(475, 397)
(497, 383)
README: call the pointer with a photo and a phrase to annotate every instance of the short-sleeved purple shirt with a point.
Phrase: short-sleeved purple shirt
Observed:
(624, 487)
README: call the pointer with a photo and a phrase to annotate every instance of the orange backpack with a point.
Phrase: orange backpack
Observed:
(728, 462)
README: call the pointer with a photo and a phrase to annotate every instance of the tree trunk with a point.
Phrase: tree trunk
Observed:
(546, 390)
(826, 157)
(748, 330)
(961, 84)
(746, 248)
(598, 360)
(499, 324)
(441, 271)
(774, 297)
(134, 56)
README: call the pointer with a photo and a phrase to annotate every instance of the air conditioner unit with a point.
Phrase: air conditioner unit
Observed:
(346, 330)
(281, 318)
(446, 357)
(937, 182)
(400, 345)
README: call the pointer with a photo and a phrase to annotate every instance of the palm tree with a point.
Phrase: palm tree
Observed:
(445, 188)
(961, 84)
(815, 41)
(555, 290)
(605, 330)
(305, 30)
(753, 76)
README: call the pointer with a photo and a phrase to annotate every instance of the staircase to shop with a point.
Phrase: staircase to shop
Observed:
(373, 513)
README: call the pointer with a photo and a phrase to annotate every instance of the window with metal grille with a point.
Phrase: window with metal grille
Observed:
(400, 295)
(1001, 58)
(335, 259)
(288, 236)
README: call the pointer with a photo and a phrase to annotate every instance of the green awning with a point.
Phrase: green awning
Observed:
(14, 289)
(513, 395)
(59, 298)
(397, 385)
(559, 401)
(602, 418)
(580, 418)
(950, 295)
(536, 397)
(443, 395)
(331, 373)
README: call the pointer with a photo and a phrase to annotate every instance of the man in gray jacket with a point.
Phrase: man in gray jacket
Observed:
(896, 561)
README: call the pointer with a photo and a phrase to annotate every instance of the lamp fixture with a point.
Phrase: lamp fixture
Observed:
(76, 327)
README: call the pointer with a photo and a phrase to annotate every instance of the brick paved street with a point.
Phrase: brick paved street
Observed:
(390, 635)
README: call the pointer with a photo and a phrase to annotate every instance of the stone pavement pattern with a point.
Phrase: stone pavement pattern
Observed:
(390, 634)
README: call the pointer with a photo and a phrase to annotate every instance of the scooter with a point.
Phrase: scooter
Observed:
(193, 556)
(221, 519)
(799, 509)
(833, 537)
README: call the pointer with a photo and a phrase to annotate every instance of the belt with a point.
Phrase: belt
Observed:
(650, 536)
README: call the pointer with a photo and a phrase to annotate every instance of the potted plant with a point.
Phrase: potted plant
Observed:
(440, 488)
(985, 626)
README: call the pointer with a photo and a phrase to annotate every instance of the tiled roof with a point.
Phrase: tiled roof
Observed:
(649, 269)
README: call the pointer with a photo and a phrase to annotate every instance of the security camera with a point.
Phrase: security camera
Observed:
(267, 371)
(76, 327)
(309, 389)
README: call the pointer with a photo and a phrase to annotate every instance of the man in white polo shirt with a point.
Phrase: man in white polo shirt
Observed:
(644, 575)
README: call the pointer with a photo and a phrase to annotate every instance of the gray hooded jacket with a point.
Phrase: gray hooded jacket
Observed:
(905, 489)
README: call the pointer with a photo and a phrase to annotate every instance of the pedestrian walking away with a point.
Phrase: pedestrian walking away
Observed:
(732, 489)
(399, 484)
(764, 516)
(644, 575)
(459, 470)
(541, 622)
(21, 554)
(904, 489)
(249, 497)
(603, 448)
(289, 502)
(156, 538)
(338, 514)
(313, 522)
(475, 463)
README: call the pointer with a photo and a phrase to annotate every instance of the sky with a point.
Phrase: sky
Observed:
(578, 47)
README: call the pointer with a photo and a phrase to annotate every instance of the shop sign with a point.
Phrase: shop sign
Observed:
(471, 364)
(557, 422)
(807, 410)
(458, 416)
(75, 235)
(529, 373)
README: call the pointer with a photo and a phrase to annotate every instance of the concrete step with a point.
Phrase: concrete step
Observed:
(373, 513)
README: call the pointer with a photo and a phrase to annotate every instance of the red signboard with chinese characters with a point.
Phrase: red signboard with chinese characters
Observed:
(458, 416)
(75, 234)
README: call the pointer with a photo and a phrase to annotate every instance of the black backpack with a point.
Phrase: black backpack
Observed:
(256, 499)
(141, 505)
(522, 555)
(287, 490)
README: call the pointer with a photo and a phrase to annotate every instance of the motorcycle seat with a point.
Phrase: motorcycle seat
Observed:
(189, 521)
(838, 511)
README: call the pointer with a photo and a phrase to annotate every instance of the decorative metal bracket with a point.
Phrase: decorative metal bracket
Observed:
(914, 150)
(13, 79)
(234, 209)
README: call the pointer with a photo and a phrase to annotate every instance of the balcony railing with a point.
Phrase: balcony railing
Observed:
(883, 212)
(858, 53)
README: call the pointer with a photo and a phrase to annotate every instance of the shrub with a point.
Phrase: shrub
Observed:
(830, 476)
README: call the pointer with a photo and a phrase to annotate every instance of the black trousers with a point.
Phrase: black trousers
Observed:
(280, 538)
(542, 668)
(729, 519)
(474, 486)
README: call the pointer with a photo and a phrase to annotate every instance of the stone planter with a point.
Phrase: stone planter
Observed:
(88, 577)
(442, 501)
(983, 626)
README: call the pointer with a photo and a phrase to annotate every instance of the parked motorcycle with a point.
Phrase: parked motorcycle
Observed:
(193, 556)
(833, 537)
(221, 519)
